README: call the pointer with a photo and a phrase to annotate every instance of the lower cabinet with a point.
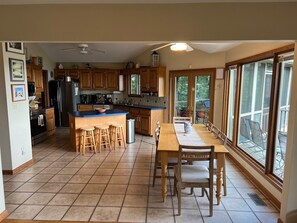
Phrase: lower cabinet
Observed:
(50, 121)
(145, 125)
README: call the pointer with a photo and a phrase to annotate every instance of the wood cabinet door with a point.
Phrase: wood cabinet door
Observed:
(37, 74)
(99, 80)
(85, 79)
(60, 73)
(50, 124)
(153, 80)
(29, 73)
(145, 125)
(85, 107)
(73, 73)
(112, 80)
(144, 80)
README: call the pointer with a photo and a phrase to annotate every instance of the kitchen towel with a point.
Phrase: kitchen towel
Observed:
(40, 120)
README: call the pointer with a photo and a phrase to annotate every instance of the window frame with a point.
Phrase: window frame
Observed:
(267, 170)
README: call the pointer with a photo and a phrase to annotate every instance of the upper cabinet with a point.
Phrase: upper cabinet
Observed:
(152, 80)
(99, 79)
(37, 74)
(61, 73)
(86, 80)
(112, 80)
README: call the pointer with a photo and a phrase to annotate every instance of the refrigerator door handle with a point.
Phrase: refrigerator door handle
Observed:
(59, 96)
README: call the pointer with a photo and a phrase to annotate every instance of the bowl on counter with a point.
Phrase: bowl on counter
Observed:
(101, 110)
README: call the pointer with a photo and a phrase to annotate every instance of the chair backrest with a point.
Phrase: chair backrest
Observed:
(196, 153)
(282, 138)
(215, 130)
(209, 125)
(157, 134)
(244, 128)
(222, 137)
(257, 134)
(177, 120)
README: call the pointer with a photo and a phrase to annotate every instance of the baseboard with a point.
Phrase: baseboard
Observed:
(18, 169)
(279, 220)
(3, 215)
(270, 196)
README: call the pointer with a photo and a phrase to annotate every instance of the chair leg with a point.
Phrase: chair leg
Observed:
(94, 142)
(179, 199)
(210, 201)
(225, 181)
(202, 192)
(123, 137)
(192, 191)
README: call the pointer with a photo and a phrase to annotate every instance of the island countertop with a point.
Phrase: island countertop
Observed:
(91, 114)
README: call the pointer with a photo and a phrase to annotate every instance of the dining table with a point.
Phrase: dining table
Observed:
(169, 140)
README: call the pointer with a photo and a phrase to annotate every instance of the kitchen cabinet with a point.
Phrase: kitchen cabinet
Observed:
(99, 80)
(112, 80)
(61, 73)
(50, 121)
(153, 80)
(38, 79)
(30, 77)
(86, 80)
(85, 107)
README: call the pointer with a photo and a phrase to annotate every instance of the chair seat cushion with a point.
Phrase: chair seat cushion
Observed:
(194, 174)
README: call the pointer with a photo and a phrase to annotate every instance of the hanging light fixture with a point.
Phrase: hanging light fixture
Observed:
(178, 47)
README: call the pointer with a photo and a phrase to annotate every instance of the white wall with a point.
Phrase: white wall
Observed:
(15, 118)
(33, 50)
(2, 202)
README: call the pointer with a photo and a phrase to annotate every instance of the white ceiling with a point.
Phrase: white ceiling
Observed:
(117, 52)
(19, 2)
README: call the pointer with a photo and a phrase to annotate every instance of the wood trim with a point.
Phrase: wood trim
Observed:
(3, 215)
(270, 196)
(261, 56)
(18, 169)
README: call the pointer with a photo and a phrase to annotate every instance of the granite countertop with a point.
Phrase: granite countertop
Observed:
(90, 114)
(143, 106)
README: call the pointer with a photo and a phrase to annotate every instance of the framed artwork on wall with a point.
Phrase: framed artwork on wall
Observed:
(18, 92)
(17, 70)
(15, 47)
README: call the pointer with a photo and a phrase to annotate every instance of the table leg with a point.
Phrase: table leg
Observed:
(164, 174)
(220, 166)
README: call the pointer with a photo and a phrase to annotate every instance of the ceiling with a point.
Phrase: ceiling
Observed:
(20, 2)
(117, 52)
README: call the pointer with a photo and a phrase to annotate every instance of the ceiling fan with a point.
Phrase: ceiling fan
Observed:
(83, 49)
(180, 46)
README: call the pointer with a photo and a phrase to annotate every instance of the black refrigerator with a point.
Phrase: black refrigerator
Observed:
(64, 97)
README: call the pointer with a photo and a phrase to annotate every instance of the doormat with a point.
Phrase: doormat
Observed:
(256, 199)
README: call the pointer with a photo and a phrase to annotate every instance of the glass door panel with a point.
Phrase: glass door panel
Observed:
(231, 102)
(283, 118)
(181, 96)
(202, 99)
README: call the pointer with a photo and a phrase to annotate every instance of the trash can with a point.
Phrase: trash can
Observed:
(130, 131)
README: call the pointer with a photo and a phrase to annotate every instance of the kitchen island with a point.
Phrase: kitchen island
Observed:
(81, 119)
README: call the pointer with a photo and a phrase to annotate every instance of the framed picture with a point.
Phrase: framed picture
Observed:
(17, 70)
(220, 74)
(18, 92)
(15, 47)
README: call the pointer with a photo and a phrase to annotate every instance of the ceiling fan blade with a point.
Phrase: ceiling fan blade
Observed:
(97, 51)
(189, 48)
(69, 49)
(161, 47)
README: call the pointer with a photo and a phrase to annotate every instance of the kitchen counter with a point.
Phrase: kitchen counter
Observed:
(141, 106)
(77, 120)
(89, 114)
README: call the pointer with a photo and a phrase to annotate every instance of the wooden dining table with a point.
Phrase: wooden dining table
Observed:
(169, 145)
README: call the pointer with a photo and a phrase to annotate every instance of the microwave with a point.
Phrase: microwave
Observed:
(31, 89)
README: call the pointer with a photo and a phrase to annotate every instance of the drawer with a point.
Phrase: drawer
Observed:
(85, 107)
(145, 112)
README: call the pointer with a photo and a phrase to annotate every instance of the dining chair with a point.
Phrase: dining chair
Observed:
(172, 161)
(177, 120)
(194, 176)
(282, 139)
(214, 130)
(209, 125)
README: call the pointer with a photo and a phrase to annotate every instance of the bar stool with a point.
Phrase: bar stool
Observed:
(87, 139)
(103, 138)
(118, 135)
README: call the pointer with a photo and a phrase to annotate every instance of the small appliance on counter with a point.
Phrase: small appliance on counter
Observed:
(84, 99)
(108, 99)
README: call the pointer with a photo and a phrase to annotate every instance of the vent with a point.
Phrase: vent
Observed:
(256, 199)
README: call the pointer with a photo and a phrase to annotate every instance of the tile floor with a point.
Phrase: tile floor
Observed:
(116, 187)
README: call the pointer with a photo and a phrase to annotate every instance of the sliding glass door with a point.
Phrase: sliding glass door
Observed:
(193, 94)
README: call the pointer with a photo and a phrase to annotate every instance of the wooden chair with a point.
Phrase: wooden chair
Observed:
(102, 137)
(194, 175)
(177, 120)
(118, 137)
(214, 130)
(209, 125)
(87, 139)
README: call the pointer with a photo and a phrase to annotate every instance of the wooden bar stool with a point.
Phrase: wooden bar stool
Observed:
(118, 135)
(87, 139)
(103, 138)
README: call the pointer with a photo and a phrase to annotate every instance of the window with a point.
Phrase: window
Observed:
(135, 84)
(257, 109)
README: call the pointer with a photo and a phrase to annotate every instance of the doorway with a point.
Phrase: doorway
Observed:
(192, 94)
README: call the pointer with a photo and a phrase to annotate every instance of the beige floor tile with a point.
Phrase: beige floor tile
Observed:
(78, 214)
(11, 207)
(72, 188)
(245, 191)
(119, 180)
(186, 202)
(25, 212)
(59, 164)
(41, 178)
(75, 164)
(139, 180)
(99, 179)
(157, 202)
(40, 198)
(106, 214)
(30, 187)
(52, 213)
(63, 199)
(258, 208)
(22, 177)
(104, 172)
(51, 170)
(125, 165)
(107, 165)
(189, 216)
(92, 164)
(133, 215)
(218, 216)
(243, 217)
(61, 178)
(86, 171)
(234, 204)
(80, 179)
(71, 170)
(155, 215)
(87, 200)
(115, 189)
(34, 170)
(17, 197)
(138, 189)
(111, 200)
(135, 201)
(51, 187)
(141, 172)
(12, 186)
(94, 189)
(122, 172)
(267, 217)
